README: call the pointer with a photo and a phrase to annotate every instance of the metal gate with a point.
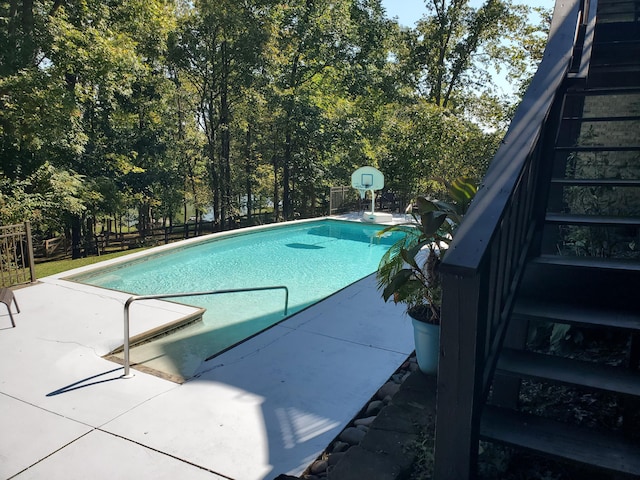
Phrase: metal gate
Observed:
(342, 199)
(16, 255)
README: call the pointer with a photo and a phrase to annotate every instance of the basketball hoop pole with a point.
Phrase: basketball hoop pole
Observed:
(373, 197)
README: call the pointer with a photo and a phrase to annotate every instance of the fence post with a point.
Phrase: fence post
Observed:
(32, 267)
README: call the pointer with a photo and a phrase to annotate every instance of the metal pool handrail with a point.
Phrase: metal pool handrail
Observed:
(135, 298)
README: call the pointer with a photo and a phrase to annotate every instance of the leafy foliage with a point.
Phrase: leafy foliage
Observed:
(409, 271)
(154, 105)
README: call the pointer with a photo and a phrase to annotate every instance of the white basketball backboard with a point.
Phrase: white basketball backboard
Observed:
(367, 178)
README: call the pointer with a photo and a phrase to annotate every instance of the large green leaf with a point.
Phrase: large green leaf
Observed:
(462, 191)
(432, 221)
(425, 205)
(409, 257)
(396, 284)
(415, 249)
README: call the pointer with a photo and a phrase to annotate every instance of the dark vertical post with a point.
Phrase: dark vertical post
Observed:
(32, 267)
(457, 419)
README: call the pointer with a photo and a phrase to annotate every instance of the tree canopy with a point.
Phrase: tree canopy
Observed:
(107, 106)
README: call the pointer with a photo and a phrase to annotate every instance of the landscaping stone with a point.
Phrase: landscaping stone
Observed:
(374, 407)
(396, 445)
(319, 466)
(361, 464)
(366, 421)
(389, 389)
(405, 419)
(334, 458)
(340, 447)
(352, 435)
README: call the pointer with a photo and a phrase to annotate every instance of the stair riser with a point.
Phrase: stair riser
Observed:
(615, 32)
(586, 285)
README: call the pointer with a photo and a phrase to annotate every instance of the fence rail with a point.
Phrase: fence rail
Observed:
(113, 241)
(16, 255)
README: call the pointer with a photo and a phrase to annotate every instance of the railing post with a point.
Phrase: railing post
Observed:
(126, 343)
(127, 361)
(32, 266)
(459, 385)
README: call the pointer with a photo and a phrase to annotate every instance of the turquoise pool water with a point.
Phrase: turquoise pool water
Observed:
(313, 259)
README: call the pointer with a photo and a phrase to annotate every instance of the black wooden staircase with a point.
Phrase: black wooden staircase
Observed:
(583, 279)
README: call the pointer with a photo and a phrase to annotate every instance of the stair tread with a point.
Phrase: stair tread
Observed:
(589, 262)
(587, 446)
(597, 91)
(623, 42)
(620, 119)
(569, 371)
(611, 64)
(599, 148)
(597, 182)
(530, 309)
(601, 220)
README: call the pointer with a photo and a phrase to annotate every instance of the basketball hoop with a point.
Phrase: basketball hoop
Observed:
(367, 178)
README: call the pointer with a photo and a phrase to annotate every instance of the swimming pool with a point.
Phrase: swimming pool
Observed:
(312, 259)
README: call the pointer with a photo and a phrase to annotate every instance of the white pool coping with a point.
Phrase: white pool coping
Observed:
(266, 407)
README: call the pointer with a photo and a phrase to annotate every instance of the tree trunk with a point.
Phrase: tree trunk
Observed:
(276, 196)
(225, 135)
(28, 46)
(76, 237)
(248, 172)
(286, 188)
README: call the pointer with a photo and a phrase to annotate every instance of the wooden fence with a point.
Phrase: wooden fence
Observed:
(107, 242)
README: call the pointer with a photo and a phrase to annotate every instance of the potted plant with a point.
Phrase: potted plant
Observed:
(409, 270)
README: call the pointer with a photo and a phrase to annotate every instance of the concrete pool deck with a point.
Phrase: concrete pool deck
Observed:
(266, 407)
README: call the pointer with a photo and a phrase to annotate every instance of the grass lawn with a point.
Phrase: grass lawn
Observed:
(51, 268)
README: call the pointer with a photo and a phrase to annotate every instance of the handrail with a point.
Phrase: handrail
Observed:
(487, 209)
(135, 298)
(484, 263)
(589, 25)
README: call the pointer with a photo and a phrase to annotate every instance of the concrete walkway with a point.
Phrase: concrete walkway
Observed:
(266, 407)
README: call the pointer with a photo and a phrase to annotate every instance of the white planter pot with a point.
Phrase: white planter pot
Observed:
(427, 340)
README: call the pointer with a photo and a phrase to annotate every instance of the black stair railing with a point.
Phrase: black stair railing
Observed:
(483, 266)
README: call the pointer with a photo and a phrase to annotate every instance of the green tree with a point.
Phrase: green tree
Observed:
(158, 105)
(218, 49)
(321, 52)
(38, 118)
(424, 142)
(455, 47)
